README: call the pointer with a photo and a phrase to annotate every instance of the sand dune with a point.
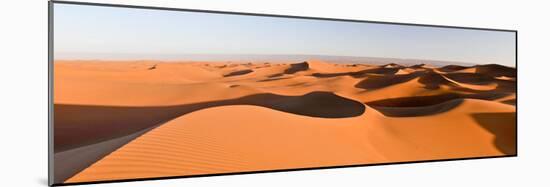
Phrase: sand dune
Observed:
(93, 124)
(140, 119)
(271, 140)
(265, 140)
(435, 136)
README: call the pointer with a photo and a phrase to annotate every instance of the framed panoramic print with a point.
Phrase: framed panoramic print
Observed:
(142, 93)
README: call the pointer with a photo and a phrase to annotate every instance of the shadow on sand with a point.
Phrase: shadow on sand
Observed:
(427, 105)
(503, 126)
(359, 74)
(237, 73)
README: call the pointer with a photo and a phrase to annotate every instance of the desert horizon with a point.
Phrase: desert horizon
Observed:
(144, 119)
(259, 58)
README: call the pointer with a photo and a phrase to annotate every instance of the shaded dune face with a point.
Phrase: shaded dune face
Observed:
(416, 106)
(392, 65)
(297, 67)
(434, 80)
(239, 72)
(376, 82)
(273, 79)
(418, 66)
(471, 78)
(496, 70)
(72, 161)
(415, 111)
(426, 105)
(359, 74)
(505, 135)
(451, 68)
(155, 119)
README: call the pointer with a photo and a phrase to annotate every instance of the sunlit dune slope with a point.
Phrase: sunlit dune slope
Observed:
(255, 138)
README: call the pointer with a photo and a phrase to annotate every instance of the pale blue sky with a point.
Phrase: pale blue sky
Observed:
(80, 29)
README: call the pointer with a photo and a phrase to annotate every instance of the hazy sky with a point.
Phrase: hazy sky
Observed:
(82, 29)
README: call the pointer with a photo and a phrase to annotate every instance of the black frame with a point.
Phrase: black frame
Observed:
(50, 89)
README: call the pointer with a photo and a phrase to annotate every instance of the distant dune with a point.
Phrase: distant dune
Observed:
(142, 119)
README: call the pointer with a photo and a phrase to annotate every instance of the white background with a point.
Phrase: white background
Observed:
(23, 106)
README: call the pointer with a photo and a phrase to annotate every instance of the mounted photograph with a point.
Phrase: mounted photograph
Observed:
(151, 93)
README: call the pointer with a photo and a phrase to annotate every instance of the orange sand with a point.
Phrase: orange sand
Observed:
(219, 117)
